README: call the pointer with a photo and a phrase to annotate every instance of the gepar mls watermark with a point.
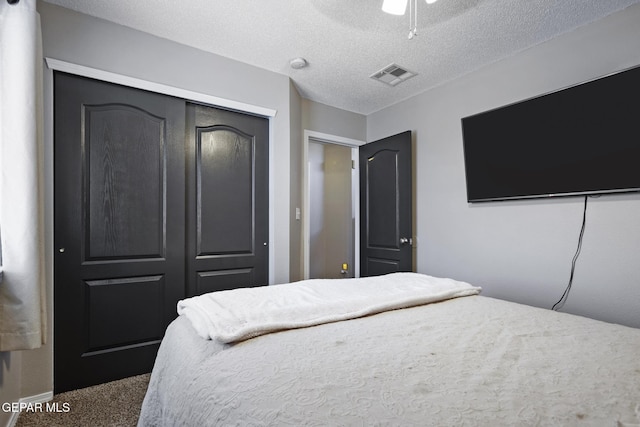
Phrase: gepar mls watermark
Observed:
(55, 407)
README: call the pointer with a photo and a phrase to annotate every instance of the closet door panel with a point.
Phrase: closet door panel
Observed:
(227, 199)
(210, 281)
(123, 147)
(225, 160)
(119, 228)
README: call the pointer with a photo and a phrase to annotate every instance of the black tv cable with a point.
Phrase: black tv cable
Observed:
(565, 295)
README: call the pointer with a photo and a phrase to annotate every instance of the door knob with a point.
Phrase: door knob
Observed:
(405, 240)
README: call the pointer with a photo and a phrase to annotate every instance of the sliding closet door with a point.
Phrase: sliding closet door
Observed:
(227, 199)
(119, 228)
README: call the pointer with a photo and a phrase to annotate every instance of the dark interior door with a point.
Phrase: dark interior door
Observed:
(228, 199)
(119, 228)
(386, 235)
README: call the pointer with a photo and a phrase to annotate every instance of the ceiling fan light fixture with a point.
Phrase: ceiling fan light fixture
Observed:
(399, 7)
(394, 7)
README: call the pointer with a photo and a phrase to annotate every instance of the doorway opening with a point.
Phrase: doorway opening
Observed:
(331, 207)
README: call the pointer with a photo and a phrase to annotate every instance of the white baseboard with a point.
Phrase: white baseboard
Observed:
(38, 398)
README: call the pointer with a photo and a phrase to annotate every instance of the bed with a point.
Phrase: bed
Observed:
(445, 357)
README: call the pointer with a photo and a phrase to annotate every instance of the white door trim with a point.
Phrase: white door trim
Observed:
(310, 135)
(107, 76)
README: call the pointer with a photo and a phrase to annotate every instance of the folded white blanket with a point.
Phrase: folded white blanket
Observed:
(239, 314)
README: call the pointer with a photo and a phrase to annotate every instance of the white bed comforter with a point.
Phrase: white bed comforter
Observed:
(472, 361)
(239, 314)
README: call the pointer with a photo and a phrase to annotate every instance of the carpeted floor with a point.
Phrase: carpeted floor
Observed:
(112, 404)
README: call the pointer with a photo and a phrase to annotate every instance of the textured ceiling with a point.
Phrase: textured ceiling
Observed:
(345, 41)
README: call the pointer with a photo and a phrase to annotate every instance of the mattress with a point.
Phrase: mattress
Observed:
(473, 361)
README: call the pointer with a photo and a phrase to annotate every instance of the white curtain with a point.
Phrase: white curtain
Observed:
(22, 291)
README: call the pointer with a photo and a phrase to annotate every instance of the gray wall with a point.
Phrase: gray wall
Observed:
(334, 121)
(522, 251)
(295, 229)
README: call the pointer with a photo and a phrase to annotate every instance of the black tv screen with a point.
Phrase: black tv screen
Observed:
(577, 141)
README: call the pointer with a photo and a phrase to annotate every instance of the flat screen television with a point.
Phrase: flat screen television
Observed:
(581, 140)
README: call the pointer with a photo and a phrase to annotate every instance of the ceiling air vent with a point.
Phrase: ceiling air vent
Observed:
(392, 74)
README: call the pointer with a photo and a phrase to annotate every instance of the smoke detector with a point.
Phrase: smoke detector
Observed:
(392, 74)
(298, 63)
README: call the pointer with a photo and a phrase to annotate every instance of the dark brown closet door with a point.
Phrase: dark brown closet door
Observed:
(119, 228)
(227, 199)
